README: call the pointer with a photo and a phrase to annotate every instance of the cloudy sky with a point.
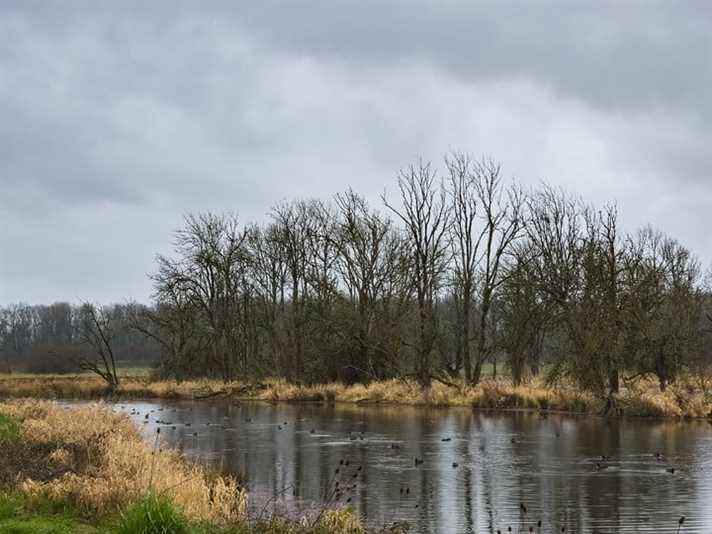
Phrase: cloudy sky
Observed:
(116, 118)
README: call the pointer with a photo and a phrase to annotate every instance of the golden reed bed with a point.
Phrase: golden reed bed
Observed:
(638, 398)
(94, 463)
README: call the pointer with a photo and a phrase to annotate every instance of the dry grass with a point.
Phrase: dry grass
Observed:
(93, 462)
(105, 465)
(342, 521)
(681, 399)
(641, 397)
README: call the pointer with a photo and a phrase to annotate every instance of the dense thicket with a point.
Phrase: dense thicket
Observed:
(459, 269)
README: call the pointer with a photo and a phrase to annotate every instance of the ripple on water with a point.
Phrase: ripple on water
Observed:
(502, 462)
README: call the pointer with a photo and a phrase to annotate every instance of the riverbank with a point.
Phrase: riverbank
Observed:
(87, 469)
(641, 397)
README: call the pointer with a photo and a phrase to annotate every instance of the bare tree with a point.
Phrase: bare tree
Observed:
(426, 216)
(580, 273)
(98, 328)
(209, 272)
(466, 237)
(521, 314)
(297, 225)
(269, 272)
(5, 332)
(663, 309)
(502, 222)
(368, 263)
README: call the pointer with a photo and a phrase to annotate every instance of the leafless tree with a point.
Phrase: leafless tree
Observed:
(426, 216)
(521, 314)
(209, 269)
(502, 223)
(581, 274)
(270, 279)
(663, 312)
(466, 237)
(368, 263)
(98, 329)
(296, 225)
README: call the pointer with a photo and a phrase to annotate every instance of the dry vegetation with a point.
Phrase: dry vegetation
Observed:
(641, 397)
(96, 462)
(93, 462)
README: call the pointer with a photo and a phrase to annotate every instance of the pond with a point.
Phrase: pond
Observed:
(476, 472)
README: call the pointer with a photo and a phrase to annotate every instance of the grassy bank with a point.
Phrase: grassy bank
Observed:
(637, 398)
(86, 469)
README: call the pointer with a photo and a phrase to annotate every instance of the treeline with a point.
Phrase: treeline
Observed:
(459, 269)
(60, 337)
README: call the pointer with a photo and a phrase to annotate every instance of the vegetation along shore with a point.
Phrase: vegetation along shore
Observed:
(640, 397)
(87, 470)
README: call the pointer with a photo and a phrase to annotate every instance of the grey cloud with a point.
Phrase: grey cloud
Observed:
(612, 54)
(118, 117)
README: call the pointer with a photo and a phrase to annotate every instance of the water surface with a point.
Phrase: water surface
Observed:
(477, 468)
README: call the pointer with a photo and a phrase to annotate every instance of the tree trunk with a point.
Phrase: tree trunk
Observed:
(477, 372)
(613, 381)
(425, 346)
(481, 340)
(517, 369)
(661, 372)
(466, 342)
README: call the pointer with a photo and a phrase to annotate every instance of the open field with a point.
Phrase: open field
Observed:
(123, 369)
(638, 398)
(59, 475)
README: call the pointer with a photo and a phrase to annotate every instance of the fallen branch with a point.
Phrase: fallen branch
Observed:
(210, 395)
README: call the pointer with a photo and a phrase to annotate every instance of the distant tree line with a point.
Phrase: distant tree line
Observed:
(65, 338)
(459, 270)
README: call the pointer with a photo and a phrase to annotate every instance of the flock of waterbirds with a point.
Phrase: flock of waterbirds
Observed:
(342, 490)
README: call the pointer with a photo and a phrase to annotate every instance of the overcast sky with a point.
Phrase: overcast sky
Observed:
(117, 118)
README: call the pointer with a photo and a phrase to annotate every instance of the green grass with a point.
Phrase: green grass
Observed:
(9, 428)
(10, 505)
(15, 519)
(43, 525)
(153, 514)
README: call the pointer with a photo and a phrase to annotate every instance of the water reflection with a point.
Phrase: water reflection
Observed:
(477, 469)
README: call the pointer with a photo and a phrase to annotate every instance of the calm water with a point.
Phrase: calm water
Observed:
(288, 455)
